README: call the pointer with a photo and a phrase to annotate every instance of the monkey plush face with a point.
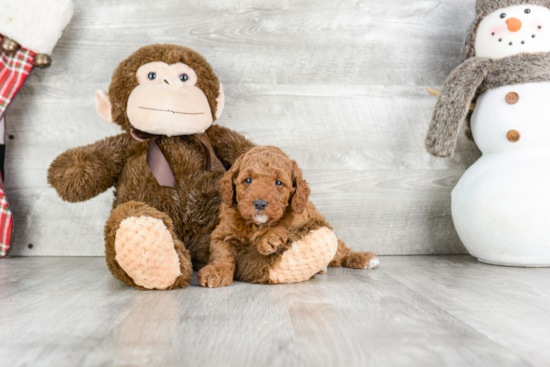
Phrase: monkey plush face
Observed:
(163, 90)
(167, 101)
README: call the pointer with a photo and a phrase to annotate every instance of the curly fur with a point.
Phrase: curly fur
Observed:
(247, 250)
(192, 207)
(473, 77)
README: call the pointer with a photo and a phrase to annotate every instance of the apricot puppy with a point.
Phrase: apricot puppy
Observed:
(269, 230)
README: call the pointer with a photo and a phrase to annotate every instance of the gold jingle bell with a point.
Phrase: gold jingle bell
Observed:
(42, 61)
(10, 46)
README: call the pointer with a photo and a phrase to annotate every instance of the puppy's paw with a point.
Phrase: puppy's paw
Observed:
(271, 242)
(213, 276)
(362, 260)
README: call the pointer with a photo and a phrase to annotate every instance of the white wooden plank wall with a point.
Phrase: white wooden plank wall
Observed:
(338, 84)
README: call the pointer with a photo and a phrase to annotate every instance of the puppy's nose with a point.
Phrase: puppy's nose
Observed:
(260, 204)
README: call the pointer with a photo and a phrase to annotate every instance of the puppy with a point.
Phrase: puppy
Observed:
(265, 212)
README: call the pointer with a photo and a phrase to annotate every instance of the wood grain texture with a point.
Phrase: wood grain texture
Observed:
(412, 311)
(339, 85)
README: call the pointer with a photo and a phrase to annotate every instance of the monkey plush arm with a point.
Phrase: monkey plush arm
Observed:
(228, 144)
(81, 173)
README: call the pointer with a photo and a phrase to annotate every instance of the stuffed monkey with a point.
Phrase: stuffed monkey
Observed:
(166, 166)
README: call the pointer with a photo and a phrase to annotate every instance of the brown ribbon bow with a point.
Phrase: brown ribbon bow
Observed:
(157, 161)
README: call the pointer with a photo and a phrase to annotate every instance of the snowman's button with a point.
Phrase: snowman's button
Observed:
(513, 136)
(512, 98)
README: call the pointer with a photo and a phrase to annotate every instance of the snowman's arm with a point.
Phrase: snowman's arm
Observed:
(81, 173)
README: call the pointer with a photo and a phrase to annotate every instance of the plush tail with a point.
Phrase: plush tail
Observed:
(453, 105)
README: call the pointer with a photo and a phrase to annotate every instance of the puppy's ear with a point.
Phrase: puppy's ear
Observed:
(227, 188)
(301, 194)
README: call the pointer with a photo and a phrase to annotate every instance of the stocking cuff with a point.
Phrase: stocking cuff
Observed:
(35, 25)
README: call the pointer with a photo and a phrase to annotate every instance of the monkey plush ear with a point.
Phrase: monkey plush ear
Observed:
(220, 102)
(103, 105)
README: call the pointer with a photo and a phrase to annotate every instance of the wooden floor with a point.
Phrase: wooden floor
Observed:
(412, 311)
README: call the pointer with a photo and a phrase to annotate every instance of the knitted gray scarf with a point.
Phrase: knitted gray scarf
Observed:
(474, 76)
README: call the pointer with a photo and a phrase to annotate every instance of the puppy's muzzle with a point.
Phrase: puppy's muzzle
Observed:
(260, 204)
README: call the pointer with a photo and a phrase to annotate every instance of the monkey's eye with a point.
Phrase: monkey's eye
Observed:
(152, 76)
(503, 15)
(248, 181)
(184, 77)
(278, 183)
(527, 11)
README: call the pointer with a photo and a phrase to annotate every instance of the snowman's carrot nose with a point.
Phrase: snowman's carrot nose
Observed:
(514, 24)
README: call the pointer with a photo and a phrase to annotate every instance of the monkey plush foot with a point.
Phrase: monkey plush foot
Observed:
(310, 248)
(143, 251)
(305, 258)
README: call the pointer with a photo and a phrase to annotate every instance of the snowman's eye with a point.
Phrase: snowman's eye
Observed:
(527, 11)
(503, 15)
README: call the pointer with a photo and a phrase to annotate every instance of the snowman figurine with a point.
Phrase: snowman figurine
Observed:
(501, 205)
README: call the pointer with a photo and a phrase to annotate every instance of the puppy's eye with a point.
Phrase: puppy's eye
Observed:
(278, 183)
(152, 76)
(248, 181)
(503, 15)
(527, 11)
(184, 77)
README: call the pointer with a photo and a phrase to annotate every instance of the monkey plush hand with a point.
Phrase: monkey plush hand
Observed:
(165, 166)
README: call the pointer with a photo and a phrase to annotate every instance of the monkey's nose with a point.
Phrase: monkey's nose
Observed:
(171, 81)
(514, 24)
(260, 204)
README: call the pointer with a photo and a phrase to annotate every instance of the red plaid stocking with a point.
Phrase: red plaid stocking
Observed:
(6, 221)
(14, 69)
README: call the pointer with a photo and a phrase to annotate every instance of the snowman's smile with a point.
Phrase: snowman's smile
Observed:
(512, 30)
(515, 26)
